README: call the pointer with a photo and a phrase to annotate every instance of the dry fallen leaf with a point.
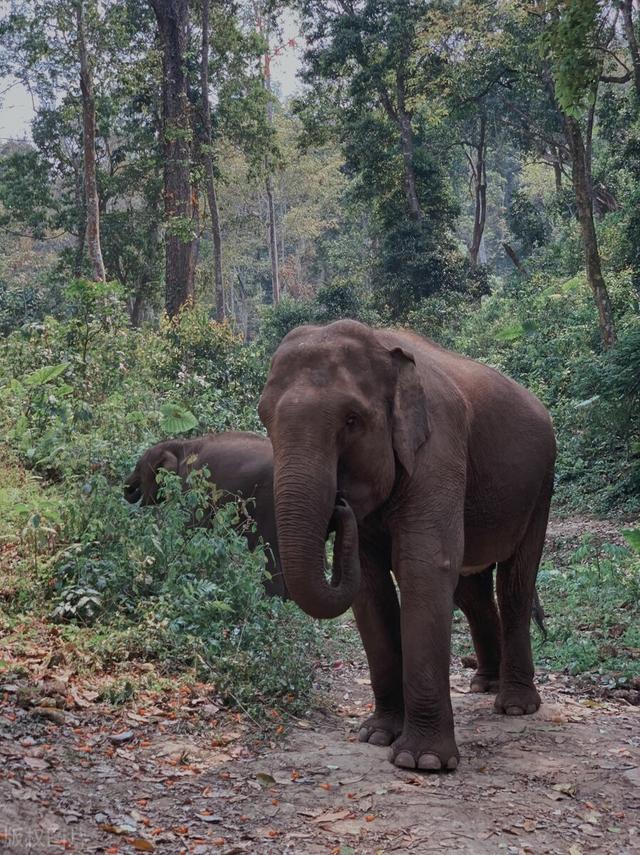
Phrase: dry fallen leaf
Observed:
(141, 845)
(332, 816)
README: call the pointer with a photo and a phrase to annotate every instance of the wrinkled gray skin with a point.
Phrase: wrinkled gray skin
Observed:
(241, 464)
(433, 465)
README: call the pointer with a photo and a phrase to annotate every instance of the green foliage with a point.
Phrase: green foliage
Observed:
(542, 332)
(570, 40)
(592, 612)
(197, 592)
(331, 303)
(80, 399)
(527, 223)
(632, 536)
(176, 420)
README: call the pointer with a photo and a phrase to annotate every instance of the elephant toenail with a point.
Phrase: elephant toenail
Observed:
(380, 737)
(452, 763)
(429, 762)
(404, 759)
(513, 710)
(363, 734)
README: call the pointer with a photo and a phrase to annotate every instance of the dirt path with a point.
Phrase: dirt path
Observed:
(175, 776)
(174, 773)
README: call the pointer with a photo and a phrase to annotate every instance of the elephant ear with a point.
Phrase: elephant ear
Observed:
(169, 461)
(156, 459)
(410, 422)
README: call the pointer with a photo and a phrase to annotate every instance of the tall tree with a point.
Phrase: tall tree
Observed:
(46, 45)
(89, 148)
(371, 47)
(478, 170)
(264, 29)
(207, 157)
(630, 30)
(173, 25)
(364, 81)
(271, 207)
(576, 35)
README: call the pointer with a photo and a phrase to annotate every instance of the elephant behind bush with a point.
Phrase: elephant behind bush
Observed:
(239, 464)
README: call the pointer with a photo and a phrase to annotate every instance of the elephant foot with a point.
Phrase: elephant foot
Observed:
(411, 751)
(381, 728)
(517, 700)
(489, 683)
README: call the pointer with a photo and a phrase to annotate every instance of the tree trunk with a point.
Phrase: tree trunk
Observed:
(632, 41)
(81, 207)
(581, 178)
(273, 241)
(406, 145)
(480, 192)
(172, 17)
(272, 234)
(207, 157)
(89, 146)
(513, 256)
(557, 169)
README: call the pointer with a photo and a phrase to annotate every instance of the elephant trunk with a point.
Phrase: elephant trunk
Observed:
(306, 508)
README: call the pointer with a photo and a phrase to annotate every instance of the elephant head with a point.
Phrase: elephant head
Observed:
(346, 414)
(142, 484)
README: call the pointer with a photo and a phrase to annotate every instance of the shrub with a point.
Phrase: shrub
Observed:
(197, 592)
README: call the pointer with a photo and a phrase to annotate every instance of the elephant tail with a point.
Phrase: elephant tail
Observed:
(537, 612)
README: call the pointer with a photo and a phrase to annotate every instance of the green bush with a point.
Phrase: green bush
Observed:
(197, 592)
(543, 332)
(593, 614)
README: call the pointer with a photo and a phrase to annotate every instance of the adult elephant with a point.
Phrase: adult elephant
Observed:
(240, 464)
(433, 465)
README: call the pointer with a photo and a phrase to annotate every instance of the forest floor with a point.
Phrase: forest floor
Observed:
(174, 772)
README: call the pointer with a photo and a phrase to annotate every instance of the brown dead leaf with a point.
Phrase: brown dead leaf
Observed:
(141, 845)
(345, 826)
(332, 816)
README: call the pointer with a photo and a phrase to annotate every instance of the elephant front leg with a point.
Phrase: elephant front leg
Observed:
(377, 615)
(426, 588)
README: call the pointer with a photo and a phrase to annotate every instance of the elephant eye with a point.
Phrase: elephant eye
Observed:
(351, 421)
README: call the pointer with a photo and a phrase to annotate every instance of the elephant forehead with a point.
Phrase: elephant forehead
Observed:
(325, 361)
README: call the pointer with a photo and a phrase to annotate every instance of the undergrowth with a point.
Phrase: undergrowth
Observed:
(593, 611)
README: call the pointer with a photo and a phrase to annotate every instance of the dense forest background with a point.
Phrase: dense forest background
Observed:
(470, 169)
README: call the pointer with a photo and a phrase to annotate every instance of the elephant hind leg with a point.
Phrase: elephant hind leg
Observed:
(516, 580)
(474, 595)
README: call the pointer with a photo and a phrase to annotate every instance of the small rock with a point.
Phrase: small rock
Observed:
(209, 710)
(122, 738)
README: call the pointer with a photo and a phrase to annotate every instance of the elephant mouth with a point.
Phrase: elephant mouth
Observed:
(133, 492)
(340, 501)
